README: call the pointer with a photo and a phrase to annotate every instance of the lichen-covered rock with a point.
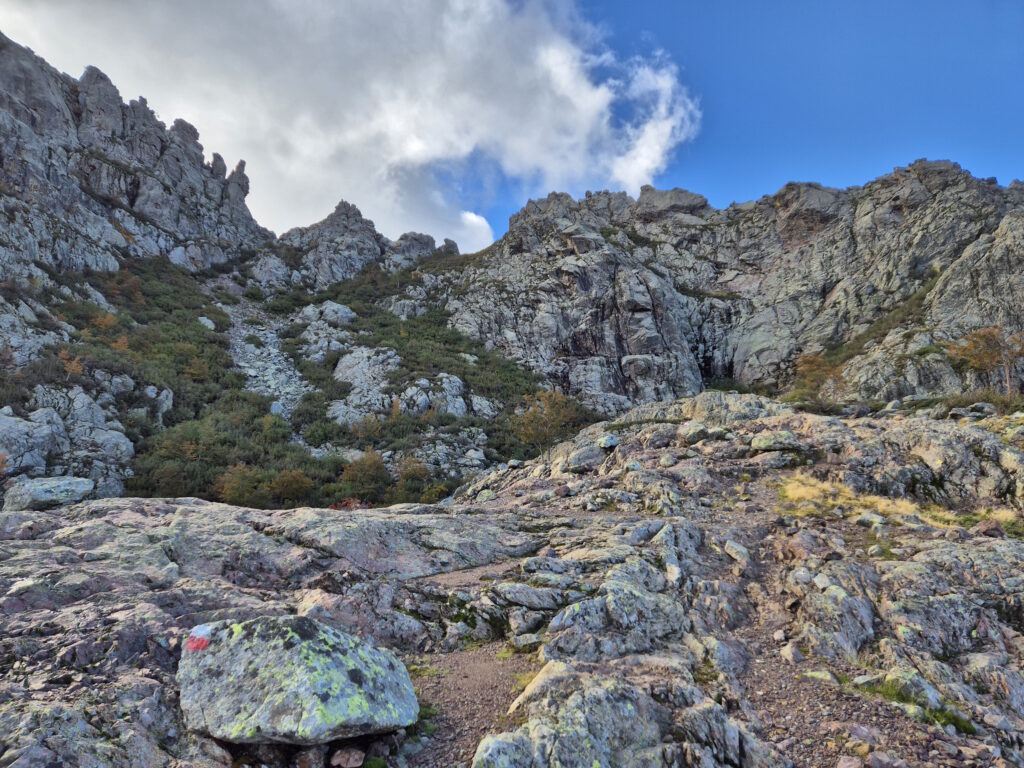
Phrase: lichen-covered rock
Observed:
(782, 440)
(290, 680)
(638, 712)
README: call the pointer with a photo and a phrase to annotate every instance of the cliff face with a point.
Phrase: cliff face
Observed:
(626, 300)
(617, 300)
(86, 177)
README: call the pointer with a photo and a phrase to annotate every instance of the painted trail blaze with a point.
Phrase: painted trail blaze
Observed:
(198, 639)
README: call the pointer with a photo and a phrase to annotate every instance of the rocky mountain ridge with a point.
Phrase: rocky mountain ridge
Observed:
(702, 578)
(423, 354)
(623, 301)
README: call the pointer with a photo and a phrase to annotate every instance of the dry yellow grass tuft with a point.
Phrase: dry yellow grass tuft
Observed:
(805, 496)
(814, 496)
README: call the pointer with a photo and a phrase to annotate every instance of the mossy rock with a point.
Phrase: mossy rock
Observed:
(290, 680)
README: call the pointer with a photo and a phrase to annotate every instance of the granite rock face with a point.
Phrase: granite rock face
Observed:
(338, 247)
(124, 184)
(624, 301)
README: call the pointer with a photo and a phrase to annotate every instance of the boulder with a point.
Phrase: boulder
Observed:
(290, 680)
(781, 440)
(45, 492)
(336, 314)
(28, 443)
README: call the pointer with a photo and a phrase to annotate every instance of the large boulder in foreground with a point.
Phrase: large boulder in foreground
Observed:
(290, 680)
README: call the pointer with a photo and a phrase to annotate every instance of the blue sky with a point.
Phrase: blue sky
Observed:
(444, 116)
(833, 92)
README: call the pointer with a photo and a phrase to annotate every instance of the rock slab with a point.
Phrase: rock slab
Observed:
(45, 492)
(290, 680)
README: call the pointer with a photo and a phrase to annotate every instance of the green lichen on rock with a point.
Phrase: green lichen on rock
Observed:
(290, 680)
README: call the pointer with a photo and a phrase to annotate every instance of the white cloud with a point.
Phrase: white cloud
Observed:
(476, 228)
(376, 102)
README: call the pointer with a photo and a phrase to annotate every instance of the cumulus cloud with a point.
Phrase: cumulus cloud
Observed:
(382, 104)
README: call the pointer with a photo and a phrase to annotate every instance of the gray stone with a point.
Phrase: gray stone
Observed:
(737, 552)
(290, 680)
(45, 492)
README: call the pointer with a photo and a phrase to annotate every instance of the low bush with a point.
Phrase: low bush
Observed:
(236, 452)
(367, 478)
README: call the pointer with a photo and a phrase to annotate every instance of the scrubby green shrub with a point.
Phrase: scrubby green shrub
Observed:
(413, 479)
(367, 478)
(291, 485)
(547, 417)
(235, 451)
(242, 485)
(286, 303)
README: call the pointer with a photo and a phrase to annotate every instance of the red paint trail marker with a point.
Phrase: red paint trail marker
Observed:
(198, 639)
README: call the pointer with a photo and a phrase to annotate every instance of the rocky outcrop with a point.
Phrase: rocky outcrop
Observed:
(69, 433)
(85, 178)
(45, 492)
(654, 582)
(338, 247)
(624, 301)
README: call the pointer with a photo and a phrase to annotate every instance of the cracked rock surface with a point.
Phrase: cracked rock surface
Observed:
(689, 595)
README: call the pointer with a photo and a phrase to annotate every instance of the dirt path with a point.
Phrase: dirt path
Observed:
(470, 690)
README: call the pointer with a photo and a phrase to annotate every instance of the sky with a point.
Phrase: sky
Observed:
(445, 116)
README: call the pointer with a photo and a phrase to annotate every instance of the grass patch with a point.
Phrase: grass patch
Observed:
(418, 671)
(619, 426)
(812, 497)
(425, 726)
(891, 691)
(523, 679)
(705, 673)
(803, 495)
